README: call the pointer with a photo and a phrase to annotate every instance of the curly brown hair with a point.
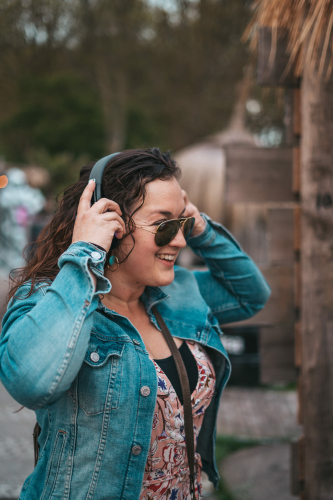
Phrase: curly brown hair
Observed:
(124, 181)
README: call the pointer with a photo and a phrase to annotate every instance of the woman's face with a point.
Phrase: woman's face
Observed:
(145, 265)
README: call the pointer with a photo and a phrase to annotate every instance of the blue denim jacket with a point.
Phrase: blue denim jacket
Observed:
(80, 366)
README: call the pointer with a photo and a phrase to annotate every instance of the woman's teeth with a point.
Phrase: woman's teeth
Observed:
(163, 256)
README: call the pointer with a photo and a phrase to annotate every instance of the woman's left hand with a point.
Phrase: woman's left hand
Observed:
(192, 211)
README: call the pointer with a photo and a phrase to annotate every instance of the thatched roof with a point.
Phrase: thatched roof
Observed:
(309, 24)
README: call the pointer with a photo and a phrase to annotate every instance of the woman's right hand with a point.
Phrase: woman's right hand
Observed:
(94, 224)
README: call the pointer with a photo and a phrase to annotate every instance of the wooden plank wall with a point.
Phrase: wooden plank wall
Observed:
(262, 192)
(259, 175)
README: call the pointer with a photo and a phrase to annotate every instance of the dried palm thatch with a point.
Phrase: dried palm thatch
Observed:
(309, 25)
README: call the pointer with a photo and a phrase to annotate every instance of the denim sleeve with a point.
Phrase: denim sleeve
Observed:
(233, 287)
(45, 336)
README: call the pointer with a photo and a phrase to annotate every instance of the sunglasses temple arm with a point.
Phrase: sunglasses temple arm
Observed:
(140, 227)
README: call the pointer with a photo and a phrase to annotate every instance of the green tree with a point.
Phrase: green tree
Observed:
(93, 76)
(59, 113)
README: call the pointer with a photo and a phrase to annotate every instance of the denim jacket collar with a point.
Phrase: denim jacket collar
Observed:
(174, 307)
(151, 296)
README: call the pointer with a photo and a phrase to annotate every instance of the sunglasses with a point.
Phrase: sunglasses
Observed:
(168, 230)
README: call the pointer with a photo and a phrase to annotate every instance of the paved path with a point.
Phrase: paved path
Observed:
(259, 473)
(258, 413)
(16, 445)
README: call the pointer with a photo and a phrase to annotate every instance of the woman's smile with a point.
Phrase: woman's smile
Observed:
(167, 259)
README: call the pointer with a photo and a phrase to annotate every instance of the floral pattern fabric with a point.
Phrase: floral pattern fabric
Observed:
(166, 474)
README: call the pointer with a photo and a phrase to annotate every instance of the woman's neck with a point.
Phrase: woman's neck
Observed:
(124, 298)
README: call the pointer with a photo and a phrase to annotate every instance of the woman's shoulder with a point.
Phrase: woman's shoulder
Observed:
(184, 285)
(184, 277)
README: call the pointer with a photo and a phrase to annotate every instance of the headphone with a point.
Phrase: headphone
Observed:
(97, 174)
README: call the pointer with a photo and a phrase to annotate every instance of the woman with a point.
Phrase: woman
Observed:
(81, 346)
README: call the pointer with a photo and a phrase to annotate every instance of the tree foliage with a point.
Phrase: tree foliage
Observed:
(94, 76)
(56, 113)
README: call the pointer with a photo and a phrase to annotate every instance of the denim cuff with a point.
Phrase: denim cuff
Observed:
(88, 257)
(207, 237)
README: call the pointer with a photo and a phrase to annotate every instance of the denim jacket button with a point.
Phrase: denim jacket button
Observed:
(145, 391)
(136, 450)
(135, 342)
(95, 255)
(94, 356)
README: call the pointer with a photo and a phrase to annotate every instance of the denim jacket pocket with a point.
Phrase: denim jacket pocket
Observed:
(55, 463)
(99, 379)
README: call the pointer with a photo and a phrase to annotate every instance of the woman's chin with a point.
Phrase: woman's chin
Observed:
(164, 278)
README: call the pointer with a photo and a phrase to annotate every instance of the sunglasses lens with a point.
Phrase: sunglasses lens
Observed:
(166, 232)
(188, 226)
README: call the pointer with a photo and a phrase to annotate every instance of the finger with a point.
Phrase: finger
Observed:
(117, 228)
(85, 200)
(119, 232)
(112, 216)
(104, 204)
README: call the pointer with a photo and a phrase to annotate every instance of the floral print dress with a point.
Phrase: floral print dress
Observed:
(166, 474)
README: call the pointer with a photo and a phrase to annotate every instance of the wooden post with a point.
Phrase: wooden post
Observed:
(317, 285)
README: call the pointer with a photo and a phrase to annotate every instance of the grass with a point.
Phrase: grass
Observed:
(291, 386)
(224, 446)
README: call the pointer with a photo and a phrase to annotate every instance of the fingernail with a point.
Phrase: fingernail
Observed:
(91, 180)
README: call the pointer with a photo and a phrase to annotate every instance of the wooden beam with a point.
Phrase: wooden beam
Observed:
(256, 175)
(300, 413)
(298, 345)
(297, 285)
(297, 458)
(297, 113)
(297, 229)
(317, 283)
(296, 170)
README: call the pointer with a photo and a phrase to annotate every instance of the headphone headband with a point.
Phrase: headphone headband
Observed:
(97, 174)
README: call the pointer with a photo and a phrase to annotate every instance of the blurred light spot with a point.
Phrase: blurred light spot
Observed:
(148, 34)
(270, 137)
(3, 181)
(253, 106)
(233, 344)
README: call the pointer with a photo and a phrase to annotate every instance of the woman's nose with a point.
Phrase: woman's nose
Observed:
(179, 240)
